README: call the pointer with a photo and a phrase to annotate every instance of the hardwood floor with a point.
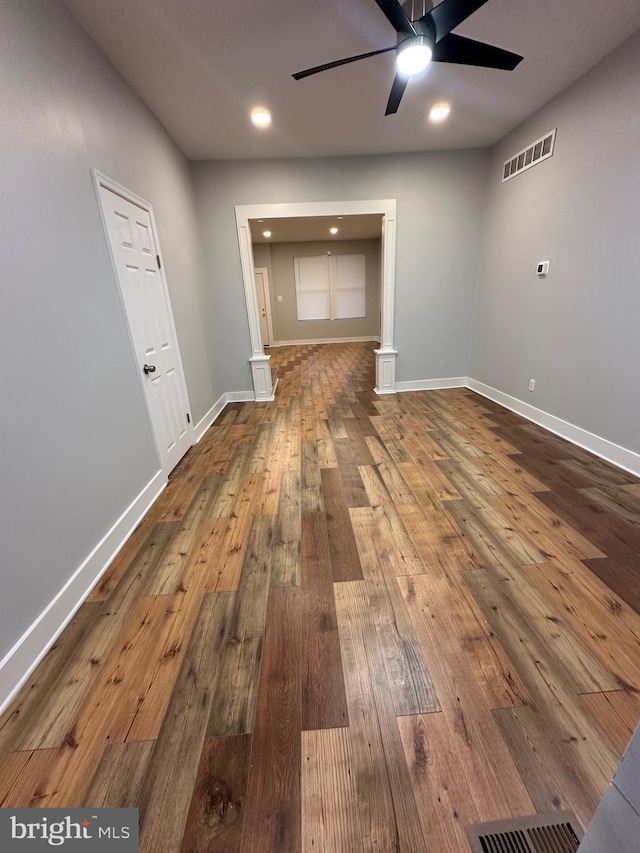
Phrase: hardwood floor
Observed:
(349, 624)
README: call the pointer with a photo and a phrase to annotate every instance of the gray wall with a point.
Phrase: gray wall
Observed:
(576, 332)
(440, 201)
(76, 442)
(286, 325)
(616, 823)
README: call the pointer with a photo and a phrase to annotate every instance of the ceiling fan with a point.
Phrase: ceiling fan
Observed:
(428, 38)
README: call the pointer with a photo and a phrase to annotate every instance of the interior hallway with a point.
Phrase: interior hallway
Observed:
(350, 623)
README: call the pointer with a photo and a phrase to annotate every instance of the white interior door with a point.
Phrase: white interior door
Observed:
(146, 301)
(264, 305)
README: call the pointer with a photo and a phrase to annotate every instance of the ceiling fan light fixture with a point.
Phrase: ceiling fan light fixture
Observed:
(414, 54)
(261, 117)
(439, 113)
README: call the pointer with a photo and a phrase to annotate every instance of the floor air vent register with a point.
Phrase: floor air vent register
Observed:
(558, 832)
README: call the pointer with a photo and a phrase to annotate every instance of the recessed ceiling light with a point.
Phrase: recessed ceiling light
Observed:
(341, 217)
(414, 54)
(266, 234)
(261, 117)
(440, 112)
(333, 230)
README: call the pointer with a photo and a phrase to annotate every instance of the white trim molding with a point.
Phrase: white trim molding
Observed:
(21, 660)
(623, 458)
(385, 371)
(385, 364)
(312, 341)
(432, 384)
(229, 397)
(261, 375)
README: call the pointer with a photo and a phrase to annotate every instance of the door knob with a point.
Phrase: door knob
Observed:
(149, 368)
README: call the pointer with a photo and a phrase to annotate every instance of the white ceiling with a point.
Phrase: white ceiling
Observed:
(201, 65)
(312, 228)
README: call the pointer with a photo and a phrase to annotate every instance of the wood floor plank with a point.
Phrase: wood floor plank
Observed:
(345, 560)
(273, 817)
(437, 539)
(486, 761)
(140, 538)
(408, 679)
(324, 443)
(351, 622)
(387, 816)
(166, 793)
(324, 705)
(329, 796)
(616, 713)
(54, 717)
(31, 708)
(536, 522)
(118, 780)
(285, 565)
(540, 626)
(388, 470)
(547, 764)
(167, 573)
(233, 706)
(27, 779)
(491, 535)
(605, 623)
(359, 447)
(445, 801)
(311, 482)
(217, 806)
(563, 713)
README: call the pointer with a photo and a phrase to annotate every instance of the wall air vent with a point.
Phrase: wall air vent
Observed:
(529, 156)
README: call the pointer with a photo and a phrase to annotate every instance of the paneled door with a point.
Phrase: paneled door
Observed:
(137, 262)
(264, 307)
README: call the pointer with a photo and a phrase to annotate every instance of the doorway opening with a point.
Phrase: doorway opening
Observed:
(385, 210)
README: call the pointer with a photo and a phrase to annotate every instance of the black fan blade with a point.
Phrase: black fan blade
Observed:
(397, 91)
(464, 51)
(448, 14)
(335, 64)
(396, 16)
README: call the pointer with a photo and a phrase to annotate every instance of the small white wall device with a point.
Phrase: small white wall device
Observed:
(543, 268)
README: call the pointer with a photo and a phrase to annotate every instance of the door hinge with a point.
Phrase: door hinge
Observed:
(158, 260)
(188, 418)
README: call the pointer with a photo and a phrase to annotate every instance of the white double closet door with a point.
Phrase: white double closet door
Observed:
(145, 297)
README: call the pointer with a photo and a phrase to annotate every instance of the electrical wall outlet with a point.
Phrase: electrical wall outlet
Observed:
(532, 384)
(279, 298)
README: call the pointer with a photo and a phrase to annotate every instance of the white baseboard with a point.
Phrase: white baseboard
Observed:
(20, 661)
(372, 338)
(628, 460)
(228, 397)
(240, 397)
(204, 423)
(432, 384)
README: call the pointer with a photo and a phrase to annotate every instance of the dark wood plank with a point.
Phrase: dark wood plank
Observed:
(345, 560)
(273, 820)
(324, 705)
(217, 806)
